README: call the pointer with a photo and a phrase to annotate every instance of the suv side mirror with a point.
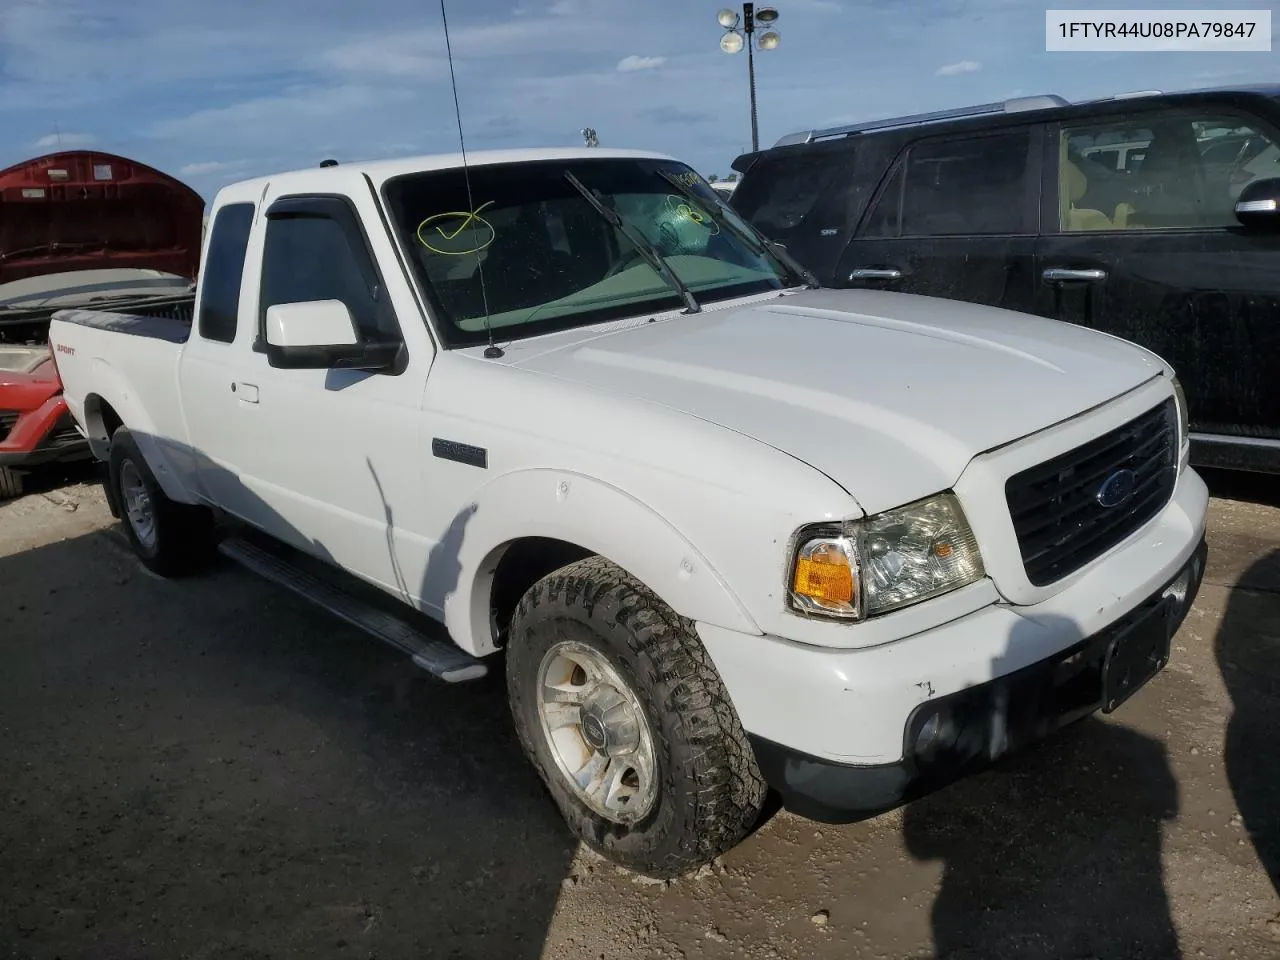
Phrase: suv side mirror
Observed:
(320, 335)
(1258, 205)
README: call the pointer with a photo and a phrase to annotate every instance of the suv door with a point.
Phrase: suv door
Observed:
(956, 216)
(1153, 253)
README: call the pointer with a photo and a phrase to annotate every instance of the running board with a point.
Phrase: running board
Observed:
(437, 657)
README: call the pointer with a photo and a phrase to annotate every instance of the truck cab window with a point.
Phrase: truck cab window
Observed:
(223, 270)
(311, 258)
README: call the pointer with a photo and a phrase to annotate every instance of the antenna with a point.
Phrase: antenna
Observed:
(492, 351)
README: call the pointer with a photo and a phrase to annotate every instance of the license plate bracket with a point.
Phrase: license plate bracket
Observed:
(1135, 656)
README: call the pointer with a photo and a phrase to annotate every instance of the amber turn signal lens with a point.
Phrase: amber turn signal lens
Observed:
(824, 578)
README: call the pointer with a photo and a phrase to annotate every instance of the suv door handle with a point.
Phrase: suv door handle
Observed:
(875, 273)
(1092, 275)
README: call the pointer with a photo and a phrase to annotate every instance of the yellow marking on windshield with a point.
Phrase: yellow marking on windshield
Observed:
(484, 232)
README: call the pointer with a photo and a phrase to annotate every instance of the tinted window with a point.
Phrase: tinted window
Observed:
(884, 218)
(318, 258)
(1181, 171)
(976, 185)
(780, 191)
(223, 269)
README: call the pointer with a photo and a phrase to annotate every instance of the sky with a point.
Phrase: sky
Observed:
(213, 92)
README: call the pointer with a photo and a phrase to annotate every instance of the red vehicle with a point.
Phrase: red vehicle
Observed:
(77, 228)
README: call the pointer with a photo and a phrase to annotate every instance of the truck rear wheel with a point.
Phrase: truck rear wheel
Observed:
(625, 718)
(170, 538)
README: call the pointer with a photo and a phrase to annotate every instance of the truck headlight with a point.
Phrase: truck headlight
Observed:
(1184, 417)
(885, 562)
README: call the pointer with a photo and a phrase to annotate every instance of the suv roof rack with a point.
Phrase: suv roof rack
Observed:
(1014, 105)
(1132, 94)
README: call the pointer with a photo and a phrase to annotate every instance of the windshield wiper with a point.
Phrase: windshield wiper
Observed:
(643, 247)
(757, 241)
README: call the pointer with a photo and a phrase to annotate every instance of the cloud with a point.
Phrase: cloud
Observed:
(955, 69)
(64, 140)
(207, 167)
(633, 63)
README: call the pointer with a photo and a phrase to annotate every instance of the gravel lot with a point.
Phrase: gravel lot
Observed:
(213, 769)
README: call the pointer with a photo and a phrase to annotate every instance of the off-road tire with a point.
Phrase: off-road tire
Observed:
(184, 533)
(10, 484)
(710, 792)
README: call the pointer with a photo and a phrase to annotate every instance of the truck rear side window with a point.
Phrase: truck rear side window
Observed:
(223, 269)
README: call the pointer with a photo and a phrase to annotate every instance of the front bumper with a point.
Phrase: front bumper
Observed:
(952, 736)
(44, 435)
(816, 711)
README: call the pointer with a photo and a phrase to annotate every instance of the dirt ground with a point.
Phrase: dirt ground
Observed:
(213, 769)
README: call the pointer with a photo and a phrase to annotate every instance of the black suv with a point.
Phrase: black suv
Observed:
(1154, 217)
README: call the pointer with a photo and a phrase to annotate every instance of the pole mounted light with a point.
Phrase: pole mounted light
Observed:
(737, 37)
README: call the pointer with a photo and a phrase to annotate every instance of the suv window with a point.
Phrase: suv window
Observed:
(1182, 171)
(309, 257)
(962, 186)
(223, 270)
(779, 192)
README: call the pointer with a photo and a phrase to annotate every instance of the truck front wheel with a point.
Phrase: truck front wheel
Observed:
(626, 720)
(170, 538)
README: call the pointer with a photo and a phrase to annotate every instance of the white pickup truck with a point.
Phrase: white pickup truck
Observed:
(730, 530)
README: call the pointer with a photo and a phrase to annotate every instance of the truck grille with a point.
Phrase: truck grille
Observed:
(1057, 516)
(7, 420)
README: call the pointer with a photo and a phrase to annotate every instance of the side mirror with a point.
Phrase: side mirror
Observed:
(1258, 205)
(320, 335)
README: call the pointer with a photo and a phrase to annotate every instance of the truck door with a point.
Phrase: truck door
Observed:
(955, 217)
(329, 459)
(214, 418)
(1148, 248)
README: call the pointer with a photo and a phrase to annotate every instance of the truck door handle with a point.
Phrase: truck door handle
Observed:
(1058, 274)
(248, 392)
(875, 273)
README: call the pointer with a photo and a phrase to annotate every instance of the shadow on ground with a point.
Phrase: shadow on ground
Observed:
(1248, 653)
(1054, 854)
(212, 768)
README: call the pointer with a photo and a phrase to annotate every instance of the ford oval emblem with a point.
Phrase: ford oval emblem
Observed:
(1116, 489)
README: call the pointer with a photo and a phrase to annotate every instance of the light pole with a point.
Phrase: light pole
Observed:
(734, 40)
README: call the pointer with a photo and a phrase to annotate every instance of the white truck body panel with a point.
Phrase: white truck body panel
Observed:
(687, 449)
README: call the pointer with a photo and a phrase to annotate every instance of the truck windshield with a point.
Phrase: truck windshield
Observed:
(524, 250)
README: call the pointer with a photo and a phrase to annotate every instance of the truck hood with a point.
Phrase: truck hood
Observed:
(889, 394)
(83, 209)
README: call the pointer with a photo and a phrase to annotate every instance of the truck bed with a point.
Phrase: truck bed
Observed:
(159, 319)
(31, 324)
(128, 363)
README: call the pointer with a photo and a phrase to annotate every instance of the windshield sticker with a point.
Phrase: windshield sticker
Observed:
(689, 179)
(681, 209)
(456, 233)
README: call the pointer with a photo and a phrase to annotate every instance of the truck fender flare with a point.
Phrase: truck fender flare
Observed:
(596, 516)
(113, 391)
